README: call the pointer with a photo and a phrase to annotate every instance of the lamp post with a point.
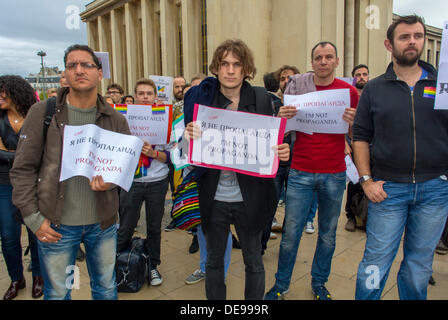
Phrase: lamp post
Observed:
(42, 54)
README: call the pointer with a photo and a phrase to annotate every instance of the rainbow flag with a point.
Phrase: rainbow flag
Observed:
(122, 108)
(158, 109)
(429, 92)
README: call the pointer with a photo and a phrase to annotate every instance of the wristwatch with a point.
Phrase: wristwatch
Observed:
(364, 179)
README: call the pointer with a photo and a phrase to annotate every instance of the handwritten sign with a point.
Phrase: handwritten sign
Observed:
(91, 151)
(237, 141)
(441, 92)
(150, 123)
(164, 88)
(319, 111)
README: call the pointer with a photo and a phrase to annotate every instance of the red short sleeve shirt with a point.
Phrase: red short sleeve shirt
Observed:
(322, 152)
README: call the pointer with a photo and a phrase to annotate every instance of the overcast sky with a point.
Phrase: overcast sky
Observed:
(29, 26)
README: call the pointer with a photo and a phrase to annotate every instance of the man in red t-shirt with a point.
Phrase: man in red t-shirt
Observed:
(317, 166)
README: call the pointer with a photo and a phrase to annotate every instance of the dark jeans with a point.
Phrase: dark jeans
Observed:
(10, 233)
(281, 181)
(445, 235)
(224, 214)
(153, 194)
(352, 189)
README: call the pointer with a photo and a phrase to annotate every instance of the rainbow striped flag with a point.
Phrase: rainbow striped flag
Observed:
(122, 108)
(158, 109)
(429, 92)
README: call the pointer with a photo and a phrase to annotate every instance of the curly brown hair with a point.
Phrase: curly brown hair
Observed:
(19, 91)
(241, 51)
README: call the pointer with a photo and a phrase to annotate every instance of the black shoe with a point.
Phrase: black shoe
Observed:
(80, 256)
(432, 281)
(194, 247)
(170, 227)
(235, 243)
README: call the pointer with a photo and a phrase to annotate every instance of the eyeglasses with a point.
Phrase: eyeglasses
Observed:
(84, 65)
(113, 92)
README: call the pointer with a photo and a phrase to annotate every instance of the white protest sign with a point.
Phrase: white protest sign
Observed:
(150, 123)
(91, 151)
(352, 171)
(319, 111)
(164, 88)
(104, 59)
(179, 153)
(442, 79)
(237, 141)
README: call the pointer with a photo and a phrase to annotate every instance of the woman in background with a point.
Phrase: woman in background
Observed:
(16, 98)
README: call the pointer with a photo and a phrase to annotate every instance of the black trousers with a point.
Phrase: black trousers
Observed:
(153, 194)
(223, 215)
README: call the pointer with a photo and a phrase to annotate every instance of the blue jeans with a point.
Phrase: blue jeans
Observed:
(418, 209)
(203, 250)
(58, 261)
(10, 234)
(302, 187)
(313, 209)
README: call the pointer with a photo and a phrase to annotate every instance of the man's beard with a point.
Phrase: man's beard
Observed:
(179, 96)
(404, 60)
(360, 85)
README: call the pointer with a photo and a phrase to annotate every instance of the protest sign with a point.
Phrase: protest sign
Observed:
(105, 66)
(91, 151)
(151, 123)
(319, 111)
(441, 92)
(352, 171)
(164, 88)
(236, 141)
(179, 153)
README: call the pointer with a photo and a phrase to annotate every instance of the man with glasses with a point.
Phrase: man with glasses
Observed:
(64, 214)
(116, 92)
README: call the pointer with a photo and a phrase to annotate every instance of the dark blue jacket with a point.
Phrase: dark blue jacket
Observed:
(259, 194)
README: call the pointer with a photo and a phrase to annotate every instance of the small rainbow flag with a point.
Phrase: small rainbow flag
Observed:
(122, 108)
(158, 109)
(429, 92)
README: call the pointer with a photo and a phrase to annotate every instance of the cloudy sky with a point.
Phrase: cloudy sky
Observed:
(29, 26)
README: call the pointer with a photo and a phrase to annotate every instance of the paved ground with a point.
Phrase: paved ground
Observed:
(177, 264)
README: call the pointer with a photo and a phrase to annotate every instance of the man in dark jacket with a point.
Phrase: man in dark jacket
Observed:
(64, 214)
(404, 173)
(227, 197)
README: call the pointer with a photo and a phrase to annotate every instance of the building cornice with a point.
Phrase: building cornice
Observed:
(100, 7)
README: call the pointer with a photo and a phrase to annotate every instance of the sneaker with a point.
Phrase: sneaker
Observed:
(350, 225)
(309, 227)
(194, 247)
(275, 294)
(321, 293)
(155, 277)
(276, 227)
(272, 236)
(170, 227)
(195, 277)
(441, 248)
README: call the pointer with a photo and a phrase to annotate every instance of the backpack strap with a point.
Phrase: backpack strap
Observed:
(49, 112)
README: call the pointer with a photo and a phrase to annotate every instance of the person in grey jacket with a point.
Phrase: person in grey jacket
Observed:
(404, 172)
(64, 214)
